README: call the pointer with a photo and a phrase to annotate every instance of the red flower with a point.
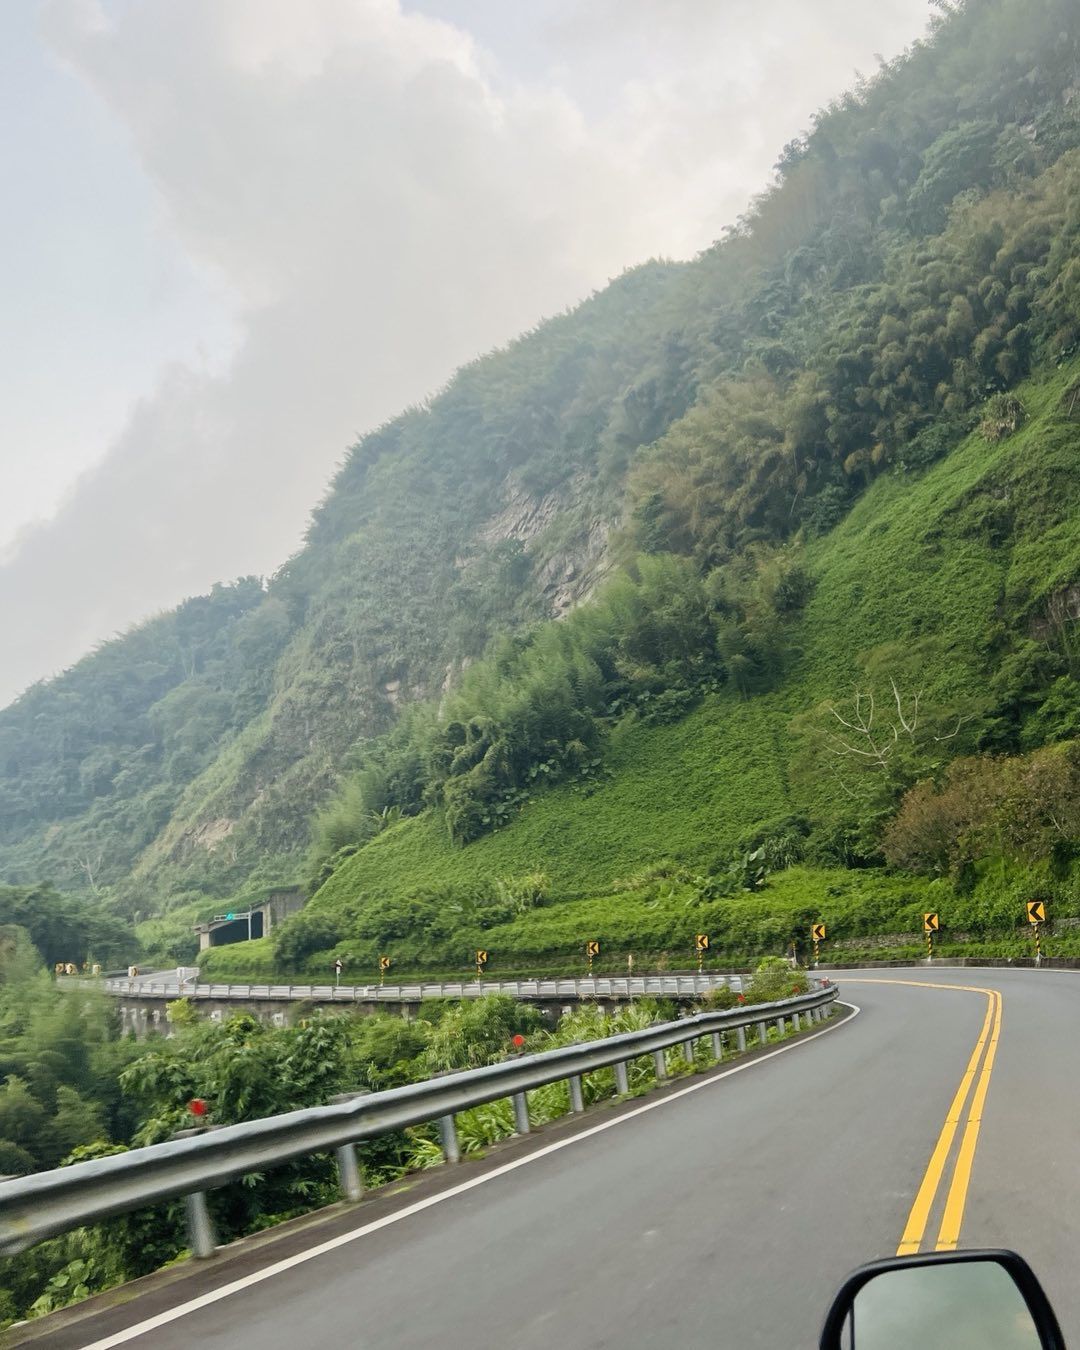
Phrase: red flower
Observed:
(197, 1106)
(742, 998)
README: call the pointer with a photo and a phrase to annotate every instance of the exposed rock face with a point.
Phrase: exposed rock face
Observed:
(571, 576)
(523, 516)
(570, 571)
(1060, 613)
(210, 833)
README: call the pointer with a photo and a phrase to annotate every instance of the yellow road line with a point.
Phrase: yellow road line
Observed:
(949, 1233)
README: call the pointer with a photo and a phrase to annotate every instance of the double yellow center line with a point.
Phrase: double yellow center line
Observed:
(953, 1215)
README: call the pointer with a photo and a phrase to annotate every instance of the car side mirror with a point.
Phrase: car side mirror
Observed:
(982, 1300)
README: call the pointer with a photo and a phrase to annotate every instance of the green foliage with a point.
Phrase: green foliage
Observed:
(775, 979)
(306, 932)
(62, 928)
(1022, 809)
(1002, 415)
(478, 1032)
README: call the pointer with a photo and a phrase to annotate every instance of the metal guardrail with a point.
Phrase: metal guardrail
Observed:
(47, 1203)
(596, 987)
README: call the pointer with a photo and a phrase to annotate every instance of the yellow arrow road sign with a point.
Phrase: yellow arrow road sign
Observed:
(592, 949)
(701, 942)
(817, 932)
(930, 923)
(1036, 911)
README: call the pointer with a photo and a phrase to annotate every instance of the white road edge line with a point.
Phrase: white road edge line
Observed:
(204, 1300)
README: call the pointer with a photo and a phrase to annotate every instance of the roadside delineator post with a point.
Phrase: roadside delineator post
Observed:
(1036, 913)
(931, 923)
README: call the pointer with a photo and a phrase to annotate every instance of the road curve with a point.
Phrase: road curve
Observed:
(725, 1215)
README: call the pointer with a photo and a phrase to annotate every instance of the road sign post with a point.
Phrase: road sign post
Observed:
(701, 945)
(384, 966)
(817, 934)
(481, 962)
(931, 924)
(592, 949)
(1036, 915)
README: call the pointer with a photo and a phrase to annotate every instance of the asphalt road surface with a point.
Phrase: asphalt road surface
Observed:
(725, 1215)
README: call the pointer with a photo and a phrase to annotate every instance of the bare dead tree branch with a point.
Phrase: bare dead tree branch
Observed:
(960, 721)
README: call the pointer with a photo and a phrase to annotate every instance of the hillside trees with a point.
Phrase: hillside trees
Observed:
(951, 319)
(1025, 808)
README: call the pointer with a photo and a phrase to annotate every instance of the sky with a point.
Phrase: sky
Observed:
(240, 233)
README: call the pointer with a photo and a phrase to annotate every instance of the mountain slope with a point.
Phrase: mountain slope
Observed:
(926, 582)
(915, 258)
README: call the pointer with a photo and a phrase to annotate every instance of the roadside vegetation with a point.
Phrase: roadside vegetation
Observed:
(74, 1091)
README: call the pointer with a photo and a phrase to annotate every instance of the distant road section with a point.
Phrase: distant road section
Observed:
(165, 985)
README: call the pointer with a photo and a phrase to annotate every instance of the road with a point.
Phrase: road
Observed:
(723, 1215)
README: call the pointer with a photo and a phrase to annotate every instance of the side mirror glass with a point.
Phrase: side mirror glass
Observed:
(947, 1301)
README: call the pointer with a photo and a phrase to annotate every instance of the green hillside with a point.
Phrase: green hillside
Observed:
(604, 617)
(925, 582)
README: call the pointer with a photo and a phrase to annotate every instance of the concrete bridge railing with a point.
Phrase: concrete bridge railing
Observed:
(599, 987)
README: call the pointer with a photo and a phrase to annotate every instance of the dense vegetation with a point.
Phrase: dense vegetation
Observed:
(74, 1091)
(913, 261)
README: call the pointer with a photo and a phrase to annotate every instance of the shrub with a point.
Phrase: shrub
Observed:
(720, 999)
(775, 979)
(305, 933)
(1003, 414)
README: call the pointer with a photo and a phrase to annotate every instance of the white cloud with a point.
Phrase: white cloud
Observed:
(381, 199)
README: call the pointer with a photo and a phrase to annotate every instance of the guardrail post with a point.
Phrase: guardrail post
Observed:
(199, 1225)
(577, 1102)
(622, 1080)
(763, 1033)
(780, 1027)
(449, 1140)
(660, 1064)
(717, 1046)
(795, 1020)
(521, 1112)
(352, 1185)
(740, 1038)
(688, 1052)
